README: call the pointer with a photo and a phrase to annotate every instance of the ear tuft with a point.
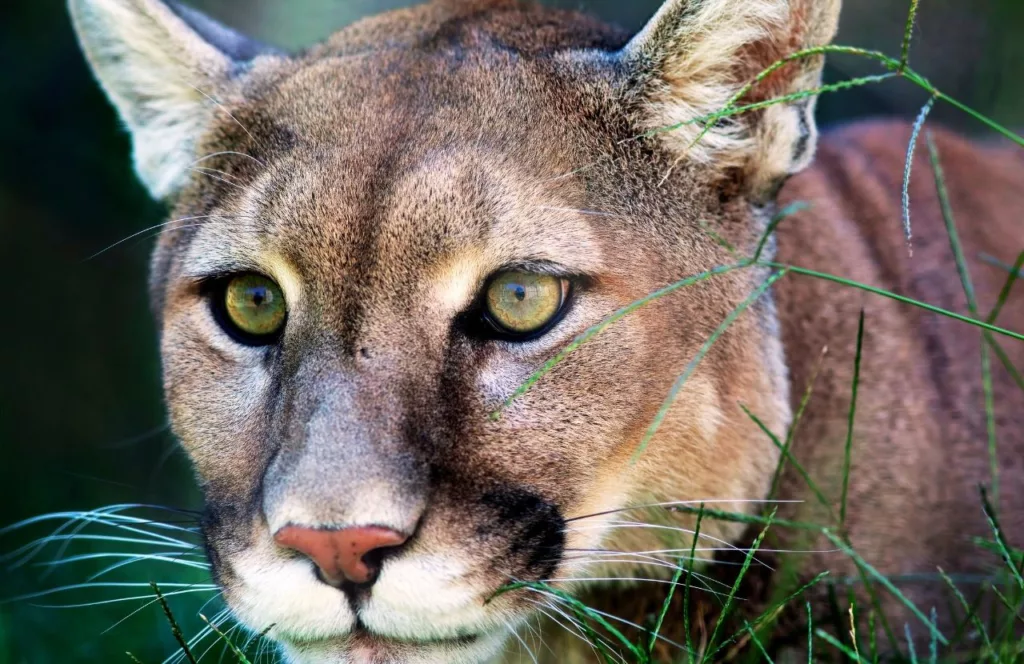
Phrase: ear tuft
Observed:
(162, 66)
(695, 55)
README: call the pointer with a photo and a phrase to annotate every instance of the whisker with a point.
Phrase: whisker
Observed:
(148, 604)
(209, 172)
(106, 516)
(117, 600)
(522, 642)
(658, 563)
(576, 629)
(131, 558)
(638, 524)
(227, 152)
(628, 579)
(134, 440)
(160, 226)
(617, 619)
(78, 537)
(206, 631)
(706, 549)
(229, 114)
(683, 503)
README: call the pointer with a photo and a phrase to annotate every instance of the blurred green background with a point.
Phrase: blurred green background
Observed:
(81, 422)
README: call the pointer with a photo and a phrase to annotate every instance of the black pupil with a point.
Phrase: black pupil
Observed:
(519, 290)
(259, 295)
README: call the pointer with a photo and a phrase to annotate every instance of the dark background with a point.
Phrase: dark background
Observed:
(81, 422)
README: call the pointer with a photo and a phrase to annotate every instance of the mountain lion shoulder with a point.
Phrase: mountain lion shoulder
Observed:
(376, 242)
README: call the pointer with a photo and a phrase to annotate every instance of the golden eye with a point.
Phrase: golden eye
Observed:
(524, 303)
(254, 306)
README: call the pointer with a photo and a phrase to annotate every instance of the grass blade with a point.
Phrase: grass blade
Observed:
(848, 453)
(730, 600)
(1004, 550)
(908, 35)
(810, 635)
(841, 647)
(1011, 279)
(856, 557)
(235, 650)
(811, 484)
(971, 611)
(911, 148)
(692, 655)
(787, 446)
(606, 323)
(695, 362)
(175, 629)
(897, 297)
(972, 306)
(672, 590)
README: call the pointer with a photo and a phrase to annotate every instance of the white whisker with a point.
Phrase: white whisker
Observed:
(224, 108)
(576, 629)
(85, 605)
(685, 503)
(655, 526)
(522, 642)
(224, 178)
(227, 152)
(617, 619)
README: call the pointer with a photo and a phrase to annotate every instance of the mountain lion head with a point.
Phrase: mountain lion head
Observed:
(374, 244)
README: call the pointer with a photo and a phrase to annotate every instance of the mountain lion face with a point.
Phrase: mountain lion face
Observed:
(376, 243)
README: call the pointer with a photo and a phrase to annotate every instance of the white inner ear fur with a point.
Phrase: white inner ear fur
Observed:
(160, 75)
(697, 49)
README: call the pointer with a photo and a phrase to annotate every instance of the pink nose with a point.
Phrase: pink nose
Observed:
(340, 554)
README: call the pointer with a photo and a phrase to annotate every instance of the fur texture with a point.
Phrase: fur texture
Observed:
(382, 177)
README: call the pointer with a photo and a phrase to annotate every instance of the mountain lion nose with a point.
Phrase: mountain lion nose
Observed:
(346, 554)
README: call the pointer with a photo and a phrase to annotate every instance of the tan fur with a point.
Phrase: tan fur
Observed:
(381, 177)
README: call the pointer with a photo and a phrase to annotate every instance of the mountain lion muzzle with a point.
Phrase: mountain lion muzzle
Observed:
(376, 242)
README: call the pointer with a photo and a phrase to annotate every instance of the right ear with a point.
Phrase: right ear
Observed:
(163, 66)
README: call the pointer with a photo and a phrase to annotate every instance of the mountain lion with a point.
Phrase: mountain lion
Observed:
(377, 242)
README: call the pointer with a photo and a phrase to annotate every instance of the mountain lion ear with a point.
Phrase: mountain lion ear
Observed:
(163, 66)
(695, 55)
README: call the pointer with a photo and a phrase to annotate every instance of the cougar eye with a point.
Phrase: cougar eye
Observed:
(251, 308)
(523, 304)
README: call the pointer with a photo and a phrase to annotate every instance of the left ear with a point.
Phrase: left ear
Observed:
(162, 65)
(695, 55)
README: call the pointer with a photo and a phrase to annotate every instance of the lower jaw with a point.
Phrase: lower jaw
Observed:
(366, 648)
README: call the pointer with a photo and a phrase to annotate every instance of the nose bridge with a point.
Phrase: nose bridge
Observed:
(345, 459)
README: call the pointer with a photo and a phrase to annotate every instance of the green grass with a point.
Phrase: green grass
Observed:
(849, 634)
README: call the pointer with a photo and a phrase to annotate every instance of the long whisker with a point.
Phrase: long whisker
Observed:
(654, 562)
(522, 642)
(626, 579)
(211, 173)
(617, 619)
(704, 549)
(229, 114)
(185, 589)
(107, 516)
(215, 621)
(656, 526)
(576, 629)
(227, 152)
(131, 558)
(160, 226)
(148, 604)
(683, 503)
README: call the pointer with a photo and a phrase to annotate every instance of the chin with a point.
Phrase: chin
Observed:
(364, 648)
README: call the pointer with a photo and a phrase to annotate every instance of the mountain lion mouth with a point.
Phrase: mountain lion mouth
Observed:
(363, 645)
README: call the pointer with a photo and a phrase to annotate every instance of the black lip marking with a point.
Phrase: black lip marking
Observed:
(534, 527)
